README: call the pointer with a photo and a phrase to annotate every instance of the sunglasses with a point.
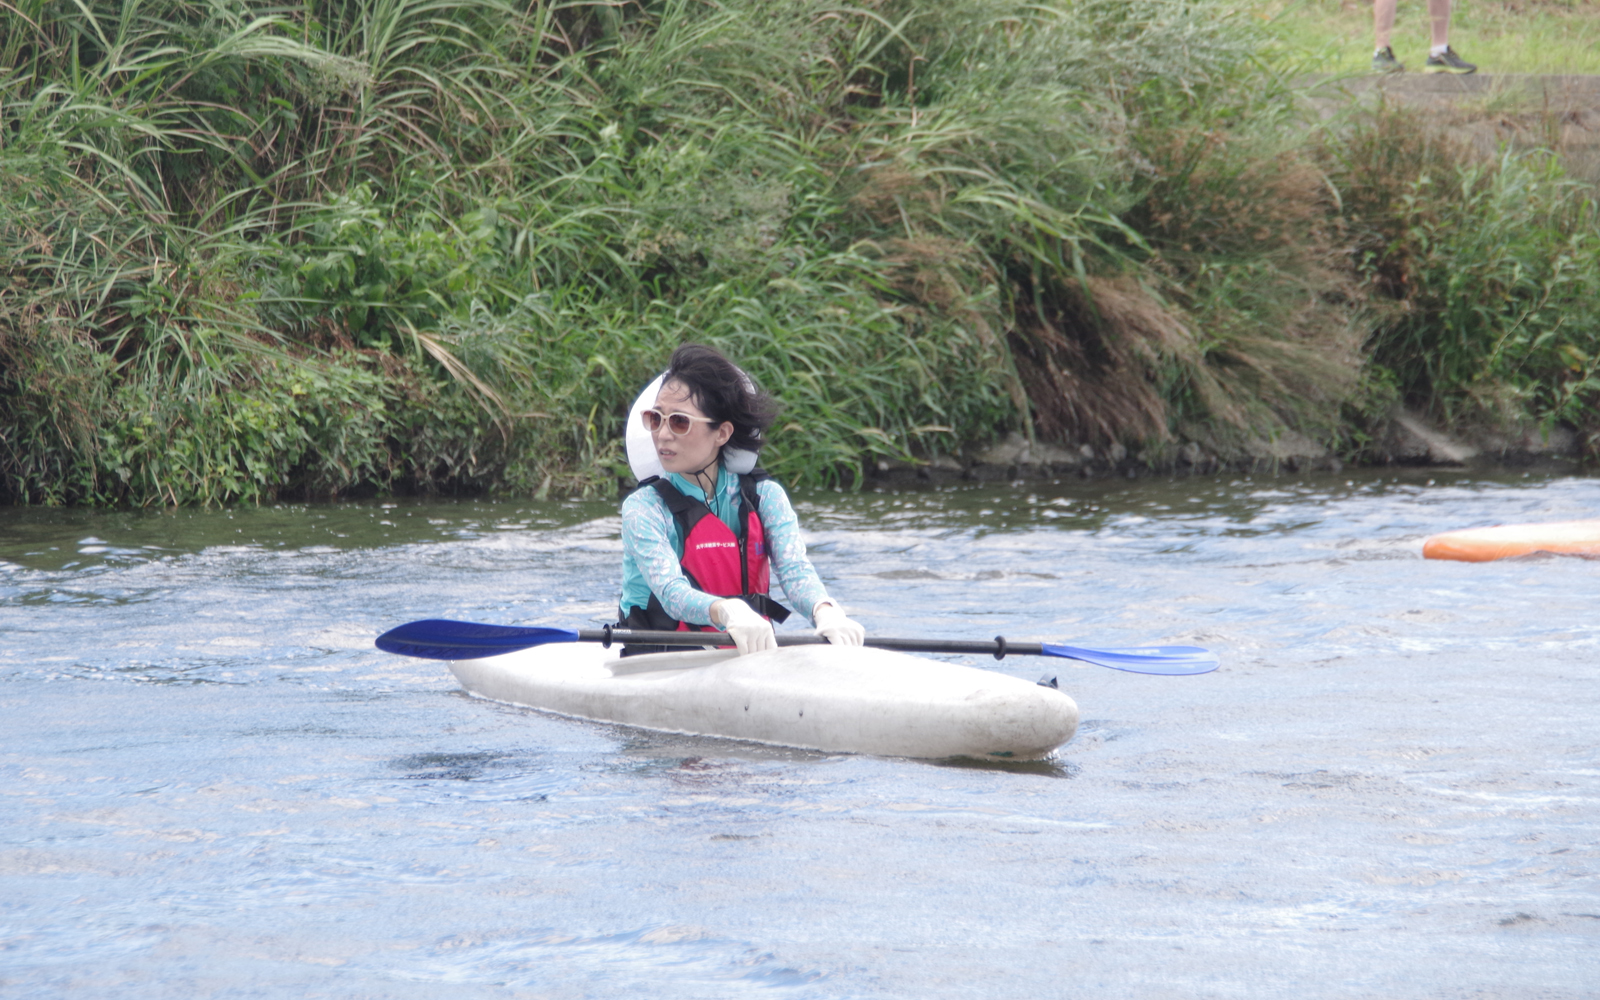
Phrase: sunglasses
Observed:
(677, 423)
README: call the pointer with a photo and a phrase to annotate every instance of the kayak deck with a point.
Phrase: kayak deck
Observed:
(1507, 540)
(830, 698)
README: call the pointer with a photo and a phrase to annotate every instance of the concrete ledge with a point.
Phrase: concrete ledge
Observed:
(1485, 111)
(1526, 91)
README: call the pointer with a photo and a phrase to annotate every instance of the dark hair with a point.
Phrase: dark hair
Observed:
(724, 393)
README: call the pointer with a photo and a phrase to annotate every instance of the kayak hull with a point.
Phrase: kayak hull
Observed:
(1507, 540)
(835, 699)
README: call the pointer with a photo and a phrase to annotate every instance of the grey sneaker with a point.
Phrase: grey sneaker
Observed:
(1449, 62)
(1383, 61)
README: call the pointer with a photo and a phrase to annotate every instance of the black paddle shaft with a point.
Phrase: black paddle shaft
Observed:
(998, 647)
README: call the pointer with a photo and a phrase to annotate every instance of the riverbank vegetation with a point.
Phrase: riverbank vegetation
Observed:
(253, 250)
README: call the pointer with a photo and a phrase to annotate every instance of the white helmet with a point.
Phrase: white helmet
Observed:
(642, 457)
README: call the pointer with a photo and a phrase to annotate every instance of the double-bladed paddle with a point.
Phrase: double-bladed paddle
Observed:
(440, 639)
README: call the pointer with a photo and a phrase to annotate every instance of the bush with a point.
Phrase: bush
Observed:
(1489, 271)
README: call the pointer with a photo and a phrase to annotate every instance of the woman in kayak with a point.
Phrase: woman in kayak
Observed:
(700, 539)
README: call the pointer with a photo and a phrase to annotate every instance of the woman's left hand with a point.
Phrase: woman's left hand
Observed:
(834, 626)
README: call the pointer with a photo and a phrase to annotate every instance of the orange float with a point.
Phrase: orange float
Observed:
(1484, 544)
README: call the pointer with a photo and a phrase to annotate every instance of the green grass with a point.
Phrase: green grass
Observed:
(1500, 36)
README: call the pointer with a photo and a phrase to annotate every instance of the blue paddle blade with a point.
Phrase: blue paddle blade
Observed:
(441, 639)
(1169, 660)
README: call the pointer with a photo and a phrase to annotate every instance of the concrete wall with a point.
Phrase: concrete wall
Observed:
(1489, 110)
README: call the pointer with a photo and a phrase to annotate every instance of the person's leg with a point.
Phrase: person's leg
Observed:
(1383, 60)
(1439, 14)
(1442, 58)
(1383, 20)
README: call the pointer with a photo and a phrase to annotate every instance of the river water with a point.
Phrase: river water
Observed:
(213, 785)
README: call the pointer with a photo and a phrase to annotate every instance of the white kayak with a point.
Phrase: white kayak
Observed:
(830, 698)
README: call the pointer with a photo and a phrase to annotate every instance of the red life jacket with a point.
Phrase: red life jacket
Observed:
(716, 559)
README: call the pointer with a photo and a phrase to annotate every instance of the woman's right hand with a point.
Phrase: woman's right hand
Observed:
(748, 630)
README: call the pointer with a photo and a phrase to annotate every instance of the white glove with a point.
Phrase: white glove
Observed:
(833, 625)
(749, 631)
